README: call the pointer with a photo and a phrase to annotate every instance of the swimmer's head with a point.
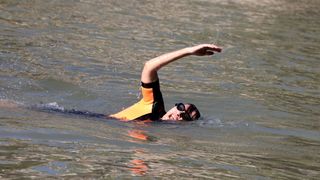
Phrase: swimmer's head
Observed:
(182, 111)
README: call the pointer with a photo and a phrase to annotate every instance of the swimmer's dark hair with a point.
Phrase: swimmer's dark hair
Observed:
(192, 108)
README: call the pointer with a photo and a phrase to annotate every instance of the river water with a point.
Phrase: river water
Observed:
(259, 98)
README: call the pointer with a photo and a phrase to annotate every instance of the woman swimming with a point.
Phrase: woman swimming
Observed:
(151, 106)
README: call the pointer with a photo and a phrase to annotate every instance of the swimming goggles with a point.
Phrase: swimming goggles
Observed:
(185, 116)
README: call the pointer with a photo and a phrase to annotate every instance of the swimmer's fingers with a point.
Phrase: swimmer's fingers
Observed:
(213, 48)
(204, 49)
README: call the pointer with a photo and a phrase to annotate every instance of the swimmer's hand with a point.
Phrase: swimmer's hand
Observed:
(204, 50)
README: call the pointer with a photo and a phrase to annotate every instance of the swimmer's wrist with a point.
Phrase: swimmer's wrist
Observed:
(188, 51)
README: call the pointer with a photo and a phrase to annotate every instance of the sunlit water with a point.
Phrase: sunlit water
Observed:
(260, 98)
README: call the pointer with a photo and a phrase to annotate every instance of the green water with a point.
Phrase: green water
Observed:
(260, 98)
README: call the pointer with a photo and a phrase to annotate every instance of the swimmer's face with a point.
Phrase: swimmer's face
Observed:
(176, 113)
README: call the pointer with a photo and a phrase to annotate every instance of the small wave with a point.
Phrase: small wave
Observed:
(215, 122)
(55, 107)
(50, 106)
(212, 122)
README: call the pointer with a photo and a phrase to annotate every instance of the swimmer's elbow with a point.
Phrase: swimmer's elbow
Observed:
(149, 72)
(151, 66)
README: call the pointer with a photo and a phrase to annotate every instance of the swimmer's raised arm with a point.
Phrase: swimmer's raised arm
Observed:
(149, 72)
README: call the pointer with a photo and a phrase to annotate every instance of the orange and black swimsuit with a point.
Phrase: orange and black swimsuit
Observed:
(150, 107)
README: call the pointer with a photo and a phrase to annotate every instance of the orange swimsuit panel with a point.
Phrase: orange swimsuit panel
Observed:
(150, 107)
(143, 107)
